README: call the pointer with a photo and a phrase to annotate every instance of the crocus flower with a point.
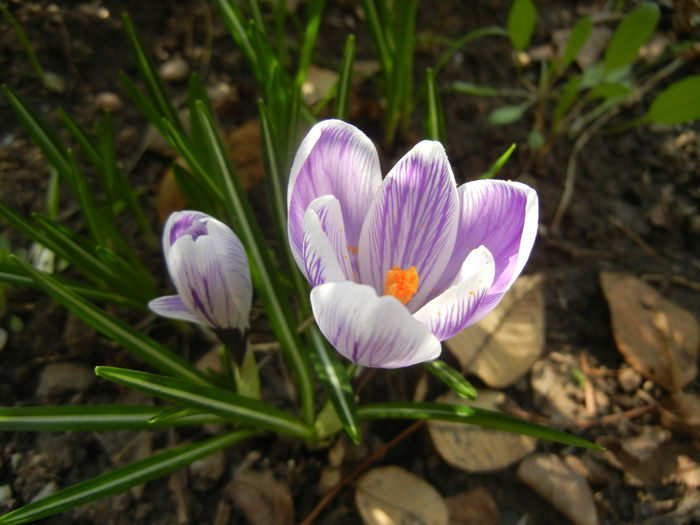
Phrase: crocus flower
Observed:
(209, 267)
(400, 264)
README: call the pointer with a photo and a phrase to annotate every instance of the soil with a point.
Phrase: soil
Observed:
(612, 223)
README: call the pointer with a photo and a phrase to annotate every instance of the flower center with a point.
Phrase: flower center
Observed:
(402, 284)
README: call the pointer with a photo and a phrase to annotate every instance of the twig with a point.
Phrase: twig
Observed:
(568, 192)
(636, 239)
(675, 279)
(331, 494)
(588, 388)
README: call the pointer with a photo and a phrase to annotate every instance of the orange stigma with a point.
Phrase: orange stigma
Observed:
(402, 284)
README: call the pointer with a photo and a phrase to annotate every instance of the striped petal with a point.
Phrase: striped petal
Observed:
(335, 159)
(412, 221)
(212, 277)
(371, 330)
(455, 308)
(324, 248)
(172, 307)
(186, 222)
(501, 215)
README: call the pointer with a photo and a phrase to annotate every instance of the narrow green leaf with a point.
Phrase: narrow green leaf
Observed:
(224, 403)
(566, 99)
(498, 165)
(53, 194)
(262, 268)
(314, 13)
(458, 44)
(344, 91)
(124, 478)
(10, 273)
(452, 378)
(52, 148)
(434, 114)
(678, 103)
(145, 106)
(67, 418)
(577, 39)
(156, 90)
(141, 346)
(247, 376)
(609, 91)
(471, 416)
(33, 60)
(236, 24)
(521, 23)
(474, 89)
(507, 114)
(376, 30)
(632, 33)
(336, 383)
(198, 196)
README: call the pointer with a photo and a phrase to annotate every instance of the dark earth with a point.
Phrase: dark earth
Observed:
(612, 223)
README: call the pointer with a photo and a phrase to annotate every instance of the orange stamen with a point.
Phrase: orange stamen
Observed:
(402, 284)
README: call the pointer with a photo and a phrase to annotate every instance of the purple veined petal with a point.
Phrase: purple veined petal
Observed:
(371, 330)
(212, 277)
(185, 222)
(324, 250)
(457, 307)
(501, 215)
(172, 307)
(335, 159)
(412, 221)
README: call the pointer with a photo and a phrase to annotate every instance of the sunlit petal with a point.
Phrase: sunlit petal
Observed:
(371, 330)
(455, 308)
(412, 221)
(335, 159)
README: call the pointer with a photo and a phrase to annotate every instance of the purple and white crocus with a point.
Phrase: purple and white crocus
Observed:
(400, 264)
(209, 268)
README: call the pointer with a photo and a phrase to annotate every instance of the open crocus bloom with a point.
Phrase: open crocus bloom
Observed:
(400, 264)
(209, 267)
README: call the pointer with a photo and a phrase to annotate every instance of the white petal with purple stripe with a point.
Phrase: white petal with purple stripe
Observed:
(371, 330)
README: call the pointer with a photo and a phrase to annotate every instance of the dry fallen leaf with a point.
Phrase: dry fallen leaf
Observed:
(502, 347)
(554, 392)
(657, 338)
(263, 499)
(393, 496)
(559, 484)
(475, 507)
(478, 449)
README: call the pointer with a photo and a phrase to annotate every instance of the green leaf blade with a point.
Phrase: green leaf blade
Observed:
(677, 104)
(632, 33)
(521, 23)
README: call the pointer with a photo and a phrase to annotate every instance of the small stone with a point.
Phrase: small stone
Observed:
(174, 70)
(629, 379)
(6, 499)
(50, 488)
(59, 378)
(53, 82)
(108, 101)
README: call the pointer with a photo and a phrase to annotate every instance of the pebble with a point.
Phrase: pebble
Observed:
(50, 488)
(629, 379)
(174, 70)
(108, 101)
(53, 82)
(59, 378)
(6, 499)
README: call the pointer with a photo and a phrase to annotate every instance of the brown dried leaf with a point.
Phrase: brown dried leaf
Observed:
(477, 449)
(475, 507)
(391, 496)
(559, 484)
(502, 347)
(657, 338)
(263, 499)
(681, 412)
(243, 145)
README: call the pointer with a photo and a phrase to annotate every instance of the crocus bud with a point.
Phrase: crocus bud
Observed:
(209, 268)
